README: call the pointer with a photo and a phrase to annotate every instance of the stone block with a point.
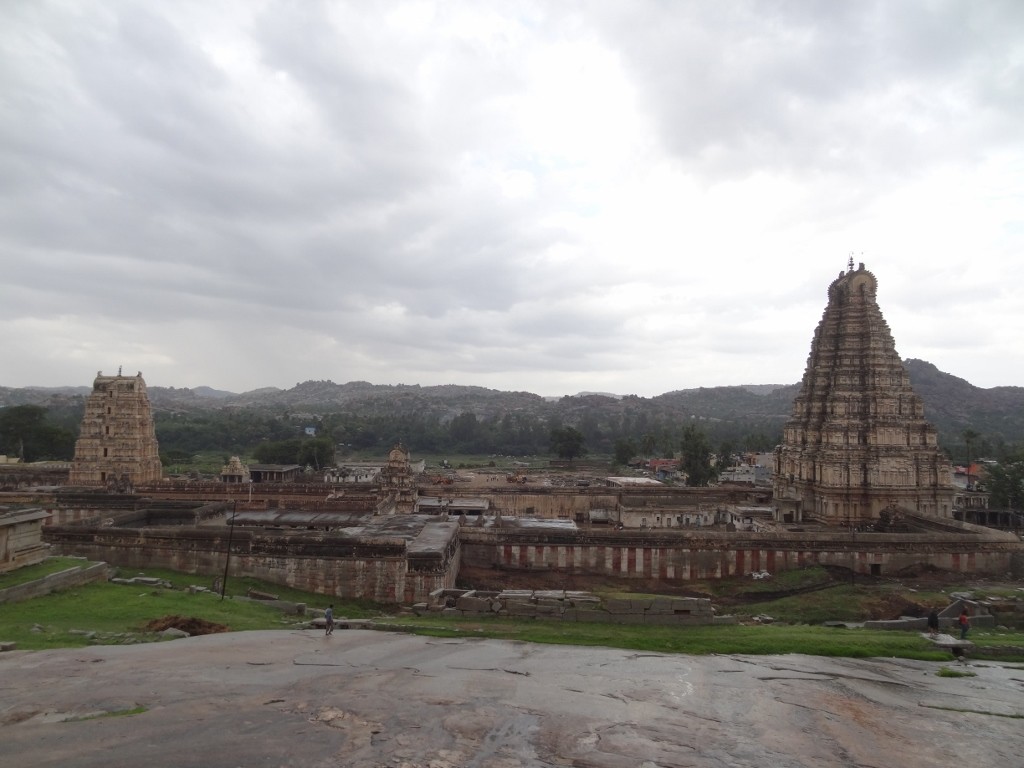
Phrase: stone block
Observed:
(473, 604)
(550, 602)
(661, 605)
(550, 594)
(172, 632)
(619, 606)
(516, 608)
(8, 645)
(517, 594)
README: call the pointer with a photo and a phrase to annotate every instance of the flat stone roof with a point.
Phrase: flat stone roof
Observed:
(15, 515)
(634, 481)
(356, 525)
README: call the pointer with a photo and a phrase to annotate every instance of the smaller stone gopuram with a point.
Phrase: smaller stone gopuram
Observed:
(117, 447)
(235, 472)
(857, 444)
(397, 485)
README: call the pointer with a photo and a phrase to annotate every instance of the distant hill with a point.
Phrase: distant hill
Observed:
(951, 403)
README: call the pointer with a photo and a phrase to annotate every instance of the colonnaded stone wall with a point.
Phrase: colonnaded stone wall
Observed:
(713, 555)
(382, 570)
(548, 503)
(568, 503)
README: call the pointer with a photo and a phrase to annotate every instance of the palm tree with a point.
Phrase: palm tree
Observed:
(969, 437)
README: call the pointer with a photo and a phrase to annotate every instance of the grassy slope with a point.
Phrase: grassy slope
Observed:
(39, 570)
(118, 613)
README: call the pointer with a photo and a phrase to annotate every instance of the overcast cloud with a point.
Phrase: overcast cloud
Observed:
(631, 197)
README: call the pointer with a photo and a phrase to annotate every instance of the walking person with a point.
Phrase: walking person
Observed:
(964, 622)
(329, 620)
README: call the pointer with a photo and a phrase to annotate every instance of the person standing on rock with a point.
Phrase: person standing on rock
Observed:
(965, 624)
(933, 623)
(329, 620)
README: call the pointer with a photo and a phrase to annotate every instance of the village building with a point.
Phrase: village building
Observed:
(858, 444)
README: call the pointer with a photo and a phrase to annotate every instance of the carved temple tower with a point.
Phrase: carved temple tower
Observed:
(117, 446)
(397, 484)
(857, 443)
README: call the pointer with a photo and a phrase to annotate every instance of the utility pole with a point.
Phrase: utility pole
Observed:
(227, 560)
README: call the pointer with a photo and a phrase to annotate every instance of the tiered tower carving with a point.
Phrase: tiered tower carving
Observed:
(857, 444)
(396, 481)
(117, 445)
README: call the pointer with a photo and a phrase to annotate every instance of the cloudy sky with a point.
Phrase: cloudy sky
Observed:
(630, 197)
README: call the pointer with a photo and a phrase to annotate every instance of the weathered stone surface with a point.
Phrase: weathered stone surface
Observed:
(368, 699)
(473, 604)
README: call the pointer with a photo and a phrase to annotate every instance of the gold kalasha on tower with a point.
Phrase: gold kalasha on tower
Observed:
(117, 446)
(857, 444)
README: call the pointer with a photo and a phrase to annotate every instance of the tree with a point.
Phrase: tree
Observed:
(567, 443)
(26, 433)
(464, 428)
(696, 454)
(625, 450)
(1006, 482)
(970, 436)
(725, 452)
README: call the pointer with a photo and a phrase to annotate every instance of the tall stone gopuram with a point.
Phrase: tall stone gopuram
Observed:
(116, 446)
(857, 443)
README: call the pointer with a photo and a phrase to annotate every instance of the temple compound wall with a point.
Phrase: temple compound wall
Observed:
(664, 504)
(390, 569)
(681, 557)
(383, 569)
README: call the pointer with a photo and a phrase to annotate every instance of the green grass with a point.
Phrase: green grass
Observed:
(698, 640)
(239, 586)
(841, 602)
(117, 613)
(39, 570)
(949, 672)
(116, 713)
